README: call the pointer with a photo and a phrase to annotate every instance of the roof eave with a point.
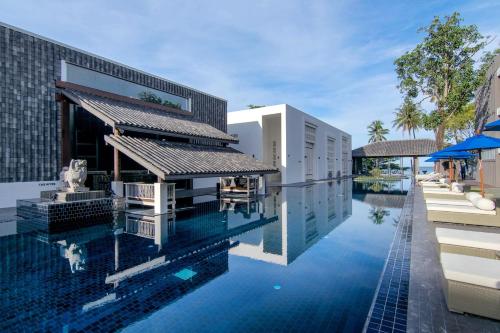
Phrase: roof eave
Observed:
(171, 134)
(136, 158)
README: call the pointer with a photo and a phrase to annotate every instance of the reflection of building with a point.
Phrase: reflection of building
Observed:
(301, 146)
(128, 265)
(306, 214)
(488, 110)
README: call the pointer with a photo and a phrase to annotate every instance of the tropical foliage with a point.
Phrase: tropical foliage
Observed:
(461, 125)
(408, 117)
(150, 97)
(253, 106)
(377, 132)
(441, 69)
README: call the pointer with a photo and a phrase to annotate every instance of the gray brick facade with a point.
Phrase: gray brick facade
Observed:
(30, 123)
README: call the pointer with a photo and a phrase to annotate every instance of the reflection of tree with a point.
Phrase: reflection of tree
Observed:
(378, 186)
(377, 214)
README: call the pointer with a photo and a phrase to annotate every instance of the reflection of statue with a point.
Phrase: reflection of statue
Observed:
(377, 214)
(77, 256)
(74, 177)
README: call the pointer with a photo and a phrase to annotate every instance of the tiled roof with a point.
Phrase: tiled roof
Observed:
(397, 148)
(128, 114)
(169, 159)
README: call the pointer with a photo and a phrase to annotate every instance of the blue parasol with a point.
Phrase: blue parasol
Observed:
(448, 154)
(493, 126)
(478, 142)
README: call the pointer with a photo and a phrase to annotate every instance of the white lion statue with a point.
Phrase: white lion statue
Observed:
(74, 177)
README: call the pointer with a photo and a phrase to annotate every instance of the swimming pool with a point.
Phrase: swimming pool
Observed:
(301, 259)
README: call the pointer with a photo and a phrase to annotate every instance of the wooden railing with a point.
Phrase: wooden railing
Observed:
(139, 193)
(142, 227)
(144, 194)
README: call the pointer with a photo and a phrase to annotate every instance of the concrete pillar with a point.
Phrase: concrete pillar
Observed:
(161, 230)
(262, 185)
(116, 160)
(161, 198)
(415, 165)
(117, 188)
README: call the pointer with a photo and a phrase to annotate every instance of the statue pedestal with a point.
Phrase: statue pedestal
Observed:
(76, 196)
(60, 215)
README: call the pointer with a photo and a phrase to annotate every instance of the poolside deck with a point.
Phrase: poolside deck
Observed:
(427, 310)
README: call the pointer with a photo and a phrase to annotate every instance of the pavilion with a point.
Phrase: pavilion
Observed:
(391, 149)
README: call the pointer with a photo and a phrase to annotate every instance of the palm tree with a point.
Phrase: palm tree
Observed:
(376, 131)
(408, 117)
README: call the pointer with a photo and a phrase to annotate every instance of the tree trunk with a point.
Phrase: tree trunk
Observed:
(440, 137)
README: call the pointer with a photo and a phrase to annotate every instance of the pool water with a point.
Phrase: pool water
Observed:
(300, 259)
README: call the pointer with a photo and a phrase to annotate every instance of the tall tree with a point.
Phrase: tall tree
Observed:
(461, 125)
(441, 69)
(377, 132)
(408, 117)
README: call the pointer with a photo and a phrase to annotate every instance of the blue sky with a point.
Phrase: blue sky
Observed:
(333, 59)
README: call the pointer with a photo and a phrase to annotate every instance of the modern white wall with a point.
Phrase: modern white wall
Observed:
(10, 192)
(248, 125)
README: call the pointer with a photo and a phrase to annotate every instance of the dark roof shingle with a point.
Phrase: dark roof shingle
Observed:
(169, 159)
(133, 116)
(397, 148)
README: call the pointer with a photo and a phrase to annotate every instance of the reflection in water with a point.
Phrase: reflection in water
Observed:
(76, 255)
(377, 214)
(121, 272)
(306, 214)
(380, 196)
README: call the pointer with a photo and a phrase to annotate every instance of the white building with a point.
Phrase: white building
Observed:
(303, 147)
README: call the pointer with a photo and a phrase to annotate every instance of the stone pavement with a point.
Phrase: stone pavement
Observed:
(427, 310)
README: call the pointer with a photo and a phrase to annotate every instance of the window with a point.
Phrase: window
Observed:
(93, 79)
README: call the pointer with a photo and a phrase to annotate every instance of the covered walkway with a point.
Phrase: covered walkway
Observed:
(392, 149)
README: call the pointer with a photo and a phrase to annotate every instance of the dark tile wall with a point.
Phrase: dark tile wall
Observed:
(57, 216)
(30, 130)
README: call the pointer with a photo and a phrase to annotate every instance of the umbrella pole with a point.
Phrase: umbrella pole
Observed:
(452, 176)
(481, 175)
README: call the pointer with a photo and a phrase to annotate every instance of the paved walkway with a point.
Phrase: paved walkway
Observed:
(427, 310)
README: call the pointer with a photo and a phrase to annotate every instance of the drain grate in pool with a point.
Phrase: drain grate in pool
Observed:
(390, 304)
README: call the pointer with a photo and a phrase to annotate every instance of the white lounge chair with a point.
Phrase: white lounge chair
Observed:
(471, 284)
(468, 242)
(434, 185)
(453, 202)
(459, 209)
(428, 190)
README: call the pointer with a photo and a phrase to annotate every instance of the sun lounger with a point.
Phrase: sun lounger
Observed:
(452, 201)
(467, 242)
(460, 209)
(437, 190)
(428, 177)
(463, 215)
(471, 284)
(433, 185)
(448, 195)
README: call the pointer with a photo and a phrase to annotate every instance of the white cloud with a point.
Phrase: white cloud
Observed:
(331, 59)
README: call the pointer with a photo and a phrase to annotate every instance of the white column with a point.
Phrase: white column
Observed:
(161, 230)
(161, 198)
(262, 185)
(117, 188)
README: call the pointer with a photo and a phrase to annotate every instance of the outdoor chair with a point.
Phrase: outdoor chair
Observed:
(468, 242)
(463, 215)
(449, 201)
(471, 284)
